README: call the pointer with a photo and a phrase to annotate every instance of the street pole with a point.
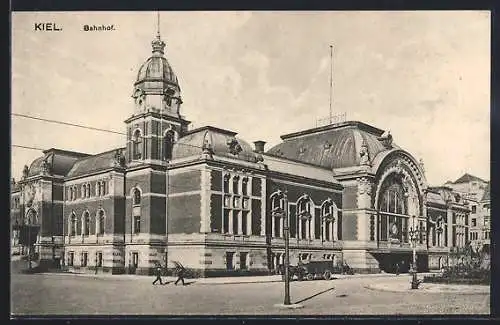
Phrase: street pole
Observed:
(286, 230)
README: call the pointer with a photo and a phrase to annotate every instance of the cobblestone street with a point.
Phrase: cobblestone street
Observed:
(56, 294)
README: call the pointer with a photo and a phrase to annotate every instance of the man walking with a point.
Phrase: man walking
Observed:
(158, 275)
(180, 271)
(397, 268)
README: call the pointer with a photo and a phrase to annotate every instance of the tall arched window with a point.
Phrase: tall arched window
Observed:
(393, 210)
(278, 206)
(328, 211)
(137, 145)
(168, 144)
(86, 223)
(136, 200)
(304, 217)
(100, 222)
(72, 224)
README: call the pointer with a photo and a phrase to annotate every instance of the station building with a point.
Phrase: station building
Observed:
(217, 204)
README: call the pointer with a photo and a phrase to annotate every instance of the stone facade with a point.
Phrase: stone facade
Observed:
(208, 199)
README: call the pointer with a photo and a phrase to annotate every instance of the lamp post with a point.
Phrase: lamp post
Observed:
(282, 213)
(286, 232)
(414, 233)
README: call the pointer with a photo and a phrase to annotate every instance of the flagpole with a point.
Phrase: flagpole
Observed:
(331, 82)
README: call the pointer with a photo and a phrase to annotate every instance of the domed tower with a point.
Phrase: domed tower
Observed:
(156, 122)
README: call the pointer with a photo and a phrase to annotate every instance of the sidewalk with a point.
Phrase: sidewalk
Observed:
(403, 284)
(221, 280)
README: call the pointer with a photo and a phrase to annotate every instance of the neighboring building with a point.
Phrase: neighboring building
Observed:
(206, 198)
(477, 194)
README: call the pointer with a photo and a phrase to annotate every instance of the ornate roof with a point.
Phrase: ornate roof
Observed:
(209, 139)
(59, 162)
(94, 163)
(157, 68)
(334, 146)
(466, 178)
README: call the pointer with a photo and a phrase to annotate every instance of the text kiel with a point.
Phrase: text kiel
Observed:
(47, 27)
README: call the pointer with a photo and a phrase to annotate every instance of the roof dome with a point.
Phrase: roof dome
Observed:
(333, 146)
(157, 68)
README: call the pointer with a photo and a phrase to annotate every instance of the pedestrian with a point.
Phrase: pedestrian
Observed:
(397, 268)
(181, 272)
(158, 275)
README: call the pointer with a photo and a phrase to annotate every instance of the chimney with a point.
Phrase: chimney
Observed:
(259, 146)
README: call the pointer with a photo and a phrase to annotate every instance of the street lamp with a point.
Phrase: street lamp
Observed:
(414, 232)
(282, 213)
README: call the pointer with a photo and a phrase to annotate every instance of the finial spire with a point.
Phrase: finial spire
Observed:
(157, 44)
(158, 24)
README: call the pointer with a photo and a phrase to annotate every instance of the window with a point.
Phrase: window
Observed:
(135, 259)
(235, 222)
(244, 222)
(84, 259)
(473, 209)
(137, 224)
(244, 186)
(474, 222)
(168, 144)
(71, 258)
(86, 220)
(278, 203)
(245, 203)
(73, 224)
(99, 259)
(226, 183)
(236, 202)
(277, 226)
(304, 206)
(421, 233)
(100, 218)
(235, 184)
(227, 200)
(243, 261)
(136, 197)
(393, 200)
(226, 221)
(229, 260)
(136, 145)
(101, 188)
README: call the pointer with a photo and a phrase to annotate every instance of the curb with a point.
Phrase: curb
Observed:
(375, 288)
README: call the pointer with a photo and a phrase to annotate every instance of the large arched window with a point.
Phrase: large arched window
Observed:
(393, 210)
(137, 145)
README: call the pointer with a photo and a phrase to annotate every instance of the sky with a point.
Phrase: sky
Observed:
(423, 75)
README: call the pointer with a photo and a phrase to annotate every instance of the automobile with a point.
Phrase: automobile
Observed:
(311, 270)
